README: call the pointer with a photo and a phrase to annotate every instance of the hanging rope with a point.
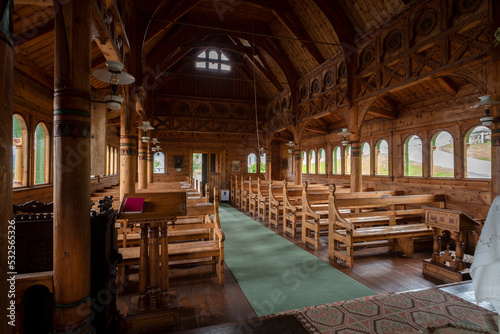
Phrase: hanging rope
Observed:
(255, 96)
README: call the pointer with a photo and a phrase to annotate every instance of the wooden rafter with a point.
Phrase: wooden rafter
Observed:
(316, 129)
(162, 20)
(25, 65)
(447, 85)
(383, 113)
(35, 34)
(293, 24)
(41, 3)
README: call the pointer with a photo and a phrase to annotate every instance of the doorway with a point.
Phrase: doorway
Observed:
(200, 169)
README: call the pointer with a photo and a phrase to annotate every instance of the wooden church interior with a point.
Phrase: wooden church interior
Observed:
(389, 96)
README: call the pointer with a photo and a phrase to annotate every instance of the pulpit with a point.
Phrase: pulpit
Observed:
(451, 226)
(154, 307)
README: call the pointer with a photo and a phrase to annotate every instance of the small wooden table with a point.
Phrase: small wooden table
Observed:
(443, 265)
(158, 209)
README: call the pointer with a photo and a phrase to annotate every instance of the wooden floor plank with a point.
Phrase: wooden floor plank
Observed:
(204, 302)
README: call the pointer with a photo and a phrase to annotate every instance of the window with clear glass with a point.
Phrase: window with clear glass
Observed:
(348, 159)
(304, 162)
(19, 151)
(159, 163)
(365, 159)
(263, 163)
(478, 153)
(442, 163)
(312, 162)
(413, 156)
(41, 154)
(252, 163)
(337, 160)
(322, 161)
(214, 60)
(382, 158)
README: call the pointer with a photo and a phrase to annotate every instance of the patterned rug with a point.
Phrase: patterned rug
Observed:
(424, 311)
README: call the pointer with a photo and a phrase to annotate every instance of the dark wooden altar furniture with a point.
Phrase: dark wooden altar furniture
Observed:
(34, 242)
(455, 225)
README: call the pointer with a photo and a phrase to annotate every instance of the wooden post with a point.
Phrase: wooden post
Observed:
(142, 180)
(297, 155)
(355, 150)
(268, 165)
(143, 269)
(150, 158)
(164, 301)
(6, 91)
(128, 144)
(154, 260)
(494, 91)
(72, 304)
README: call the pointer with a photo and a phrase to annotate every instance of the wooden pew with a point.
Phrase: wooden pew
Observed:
(315, 210)
(276, 191)
(253, 201)
(188, 253)
(263, 198)
(346, 230)
(245, 192)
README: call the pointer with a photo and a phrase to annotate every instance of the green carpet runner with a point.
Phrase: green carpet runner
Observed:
(276, 275)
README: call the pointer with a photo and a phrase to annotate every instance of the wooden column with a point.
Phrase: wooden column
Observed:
(297, 157)
(128, 144)
(356, 179)
(268, 164)
(72, 304)
(150, 157)
(6, 85)
(142, 179)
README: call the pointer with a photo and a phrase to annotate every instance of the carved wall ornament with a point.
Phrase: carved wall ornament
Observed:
(284, 104)
(328, 79)
(183, 108)
(315, 87)
(468, 6)
(203, 108)
(304, 92)
(342, 70)
(393, 41)
(367, 56)
(426, 22)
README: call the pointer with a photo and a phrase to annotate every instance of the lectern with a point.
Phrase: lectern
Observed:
(152, 211)
(446, 265)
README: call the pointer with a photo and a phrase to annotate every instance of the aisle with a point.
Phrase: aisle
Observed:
(276, 275)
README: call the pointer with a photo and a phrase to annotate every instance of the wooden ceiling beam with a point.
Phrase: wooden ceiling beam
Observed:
(292, 22)
(25, 65)
(316, 129)
(250, 81)
(164, 17)
(266, 72)
(383, 113)
(346, 34)
(37, 33)
(447, 85)
(164, 49)
(389, 100)
(41, 3)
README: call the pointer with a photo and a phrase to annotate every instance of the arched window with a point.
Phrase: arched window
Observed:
(478, 153)
(263, 163)
(322, 161)
(159, 163)
(348, 159)
(442, 155)
(213, 59)
(252, 163)
(41, 154)
(108, 160)
(382, 158)
(337, 160)
(413, 156)
(19, 151)
(312, 162)
(365, 159)
(117, 161)
(304, 162)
